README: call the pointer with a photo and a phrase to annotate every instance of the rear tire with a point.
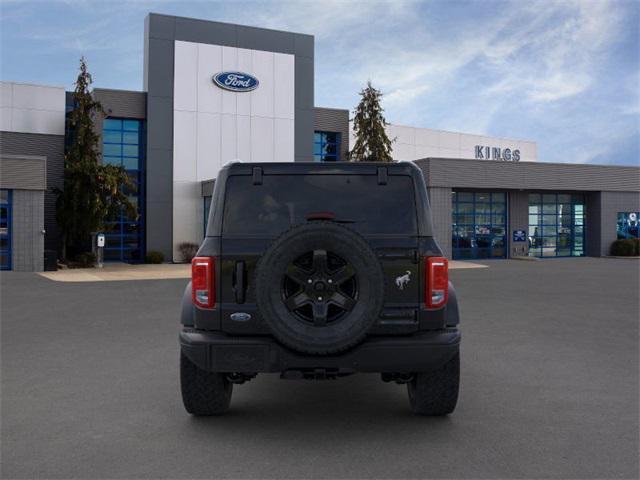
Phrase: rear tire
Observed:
(436, 393)
(203, 393)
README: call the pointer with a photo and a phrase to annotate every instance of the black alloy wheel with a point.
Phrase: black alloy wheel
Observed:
(320, 288)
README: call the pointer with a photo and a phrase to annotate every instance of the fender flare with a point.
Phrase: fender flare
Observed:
(187, 312)
(451, 312)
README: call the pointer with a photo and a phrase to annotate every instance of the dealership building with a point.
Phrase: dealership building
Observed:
(216, 92)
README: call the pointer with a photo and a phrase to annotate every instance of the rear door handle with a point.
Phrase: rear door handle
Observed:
(398, 255)
(240, 282)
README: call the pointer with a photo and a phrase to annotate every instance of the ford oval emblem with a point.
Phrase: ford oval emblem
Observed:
(236, 81)
(240, 317)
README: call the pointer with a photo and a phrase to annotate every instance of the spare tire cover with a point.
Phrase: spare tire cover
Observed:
(319, 288)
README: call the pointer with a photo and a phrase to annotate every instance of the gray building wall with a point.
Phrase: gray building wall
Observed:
(122, 103)
(440, 200)
(25, 172)
(52, 148)
(27, 240)
(593, 225)
(26, 177)
(161, 32)
(518, 219)
(490, 174)
(334, 120)
(207, 187)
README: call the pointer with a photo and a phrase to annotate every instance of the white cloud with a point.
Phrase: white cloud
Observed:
(560, 55)
(464, 67)
(327, 18)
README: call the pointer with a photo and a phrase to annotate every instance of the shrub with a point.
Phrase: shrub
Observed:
(627, 247)
(85, 260)
(188, 250)
(153, 256)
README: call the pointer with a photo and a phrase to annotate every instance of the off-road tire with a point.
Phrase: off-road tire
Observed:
(332, 338)
(435, 393)
(203, 393)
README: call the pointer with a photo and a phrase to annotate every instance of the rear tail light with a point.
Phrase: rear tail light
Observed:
(203, 282)
(436, 281)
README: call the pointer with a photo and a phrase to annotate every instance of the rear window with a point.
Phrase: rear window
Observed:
(286, 200)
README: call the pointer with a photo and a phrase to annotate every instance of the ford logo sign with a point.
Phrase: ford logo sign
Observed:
(240, 317)
(236, 81)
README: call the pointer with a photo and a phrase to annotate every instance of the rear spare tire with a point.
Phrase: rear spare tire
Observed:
(319, 288)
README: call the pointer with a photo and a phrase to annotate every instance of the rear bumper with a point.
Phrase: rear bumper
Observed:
(218, 352)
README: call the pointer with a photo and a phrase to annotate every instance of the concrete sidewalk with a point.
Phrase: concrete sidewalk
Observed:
(464, 265)
(113, 272)
(119, 272)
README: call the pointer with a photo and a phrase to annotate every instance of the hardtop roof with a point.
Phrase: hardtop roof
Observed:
(298, 168)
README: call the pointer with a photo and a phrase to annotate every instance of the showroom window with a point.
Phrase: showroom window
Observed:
(627, 225)
(556, 225)
(123, 146)
(479, 224)
(326, 147)
(5, 229)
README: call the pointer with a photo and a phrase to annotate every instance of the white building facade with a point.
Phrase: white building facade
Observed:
(412, 143)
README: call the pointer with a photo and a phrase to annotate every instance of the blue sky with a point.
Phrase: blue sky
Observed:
(564, 74)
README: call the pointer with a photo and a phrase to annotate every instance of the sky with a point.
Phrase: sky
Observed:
(565, 74)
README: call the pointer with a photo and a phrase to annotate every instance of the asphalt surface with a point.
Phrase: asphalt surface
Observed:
(549, 388)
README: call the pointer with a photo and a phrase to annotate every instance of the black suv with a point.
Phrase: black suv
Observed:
(319, 270)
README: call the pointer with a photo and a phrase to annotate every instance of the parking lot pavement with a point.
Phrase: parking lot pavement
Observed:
(549, 388)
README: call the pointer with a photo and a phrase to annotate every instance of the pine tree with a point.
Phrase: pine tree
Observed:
(92, 191)
(371, 141)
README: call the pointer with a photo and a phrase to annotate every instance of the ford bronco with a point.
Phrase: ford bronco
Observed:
(318, 271)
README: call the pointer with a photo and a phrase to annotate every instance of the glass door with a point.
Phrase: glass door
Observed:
(479, 222)
(556, 225)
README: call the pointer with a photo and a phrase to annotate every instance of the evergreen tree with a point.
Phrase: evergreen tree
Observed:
(371, 141)
(92, 191)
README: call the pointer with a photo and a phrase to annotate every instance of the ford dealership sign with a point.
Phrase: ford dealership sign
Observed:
(236, 81)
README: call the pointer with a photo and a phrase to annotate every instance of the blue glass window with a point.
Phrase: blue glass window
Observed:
(556, 225)
(123, 145)
(5, 229)
(326, 147)
(479, 224)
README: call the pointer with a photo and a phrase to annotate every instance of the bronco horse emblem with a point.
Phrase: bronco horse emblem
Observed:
(402, 280)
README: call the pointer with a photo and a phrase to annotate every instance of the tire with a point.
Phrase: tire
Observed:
(203, 393)
(436, 393)
(357, 310)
